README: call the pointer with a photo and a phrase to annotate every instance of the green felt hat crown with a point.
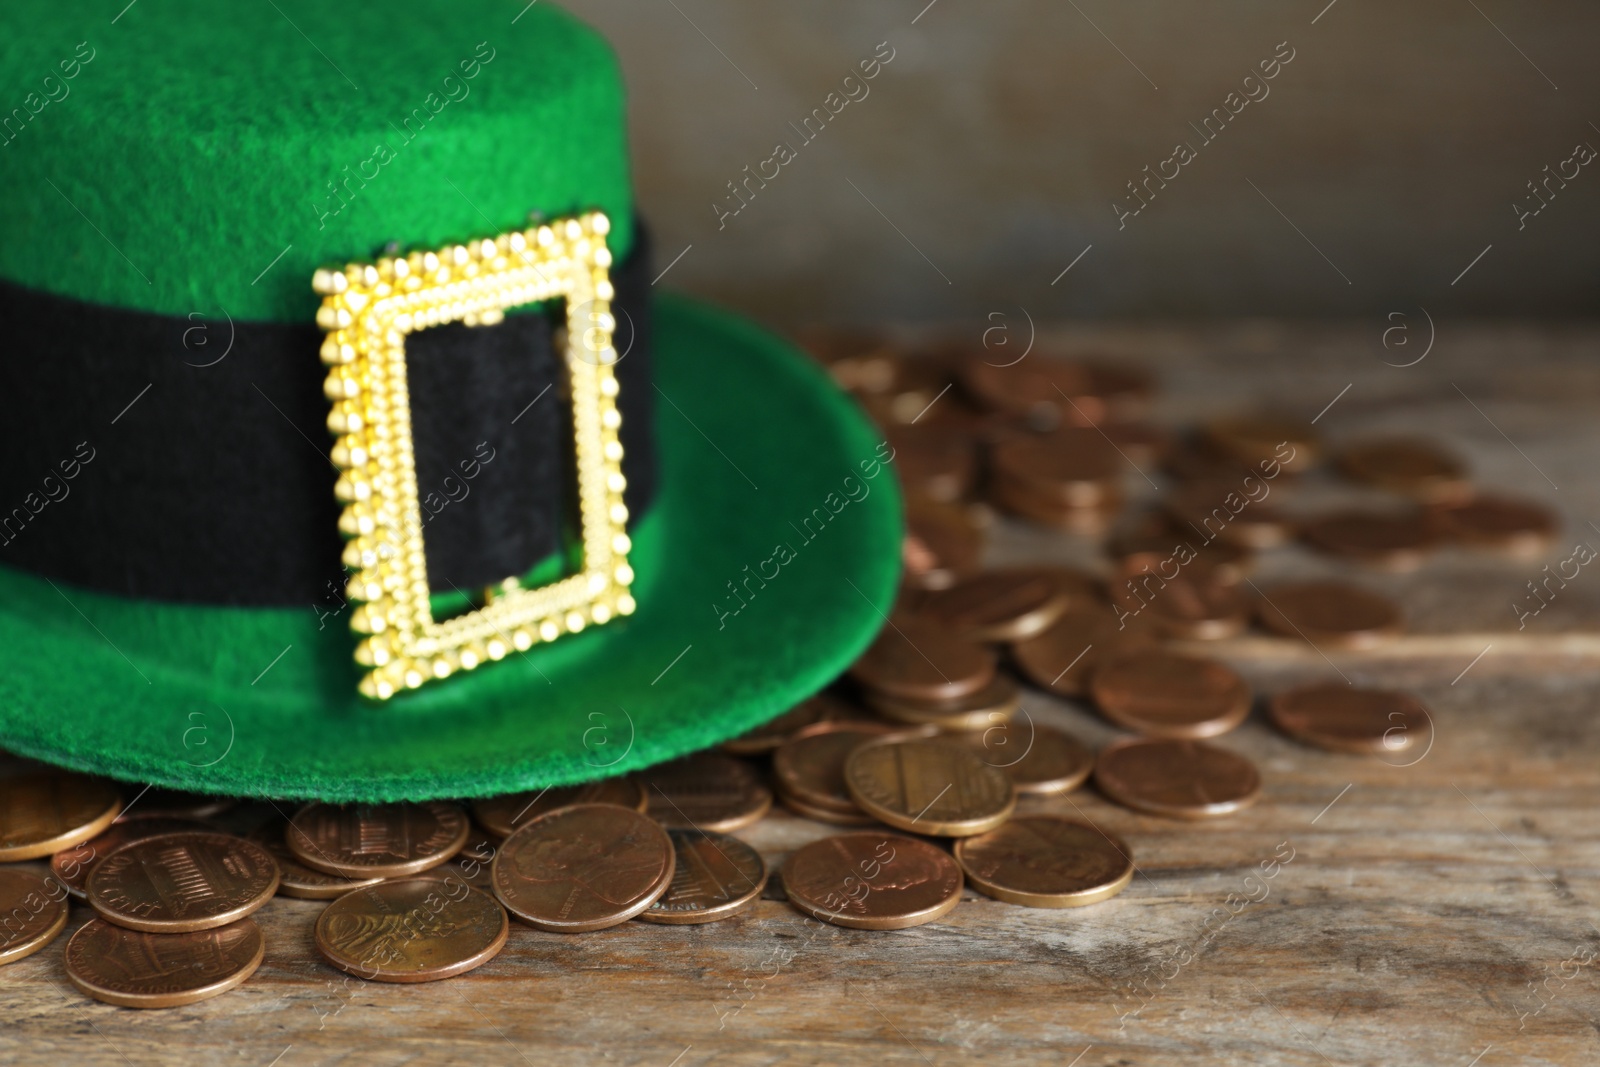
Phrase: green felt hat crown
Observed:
(185, 165)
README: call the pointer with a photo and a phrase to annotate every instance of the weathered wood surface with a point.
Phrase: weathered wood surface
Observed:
(1439, 913)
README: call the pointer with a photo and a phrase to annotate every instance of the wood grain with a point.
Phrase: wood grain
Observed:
(1421, 909)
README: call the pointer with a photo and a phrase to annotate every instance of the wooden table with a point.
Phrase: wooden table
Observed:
(1443, 912)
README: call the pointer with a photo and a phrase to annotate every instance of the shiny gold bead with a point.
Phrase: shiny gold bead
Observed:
(349, 489)
(549, 630)
(522, 639)
(626, 604)
(623, 573)
(575, 622)
(356, 520)
(368, 619)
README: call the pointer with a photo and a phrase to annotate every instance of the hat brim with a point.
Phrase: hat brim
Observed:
(765, 565)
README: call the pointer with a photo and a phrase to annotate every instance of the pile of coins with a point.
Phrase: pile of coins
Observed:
(914, 754)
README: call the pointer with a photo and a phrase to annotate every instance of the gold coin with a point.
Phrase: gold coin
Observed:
(34, 910)
(994, 703)
(179, 883)
(715, 876)
(1046, 861)
(583, 868)
(377, 840)
(72, 866)
(872, 881)
(140, 970)
(706, 791)
(47, 810)
(295, 878)
(412, 930)
(929, 787)
(1039, 760)
(502, 814)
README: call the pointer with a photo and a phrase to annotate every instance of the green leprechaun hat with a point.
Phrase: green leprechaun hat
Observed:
(349, 452)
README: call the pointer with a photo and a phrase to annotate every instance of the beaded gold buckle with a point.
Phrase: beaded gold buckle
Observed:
(367, 311)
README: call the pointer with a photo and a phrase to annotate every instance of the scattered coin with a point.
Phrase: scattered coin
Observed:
(819, 708)
(921, 662)
(1061, 658)
(142, 970)
(180, 883)
(1264, 439)
(72, 865)
(854, 817)
(45, 811)
(941, 544)
(1046, 861)
(1164, 694)
(1227, 511)
(938, 787)
(1329, 613)
(1194, 605)
(1140, 443)
(809, 768)
(706, 791)
(1036, 389)
(413, 930)
(377, 840)
(1177, 779)
(1508, 524)
(995, 702)
(502, 814)
(859, 362)
(1072, 467)
(178, 805)
(295, 879)
(872, 881)
(933, 462)
(1392, 541)
(1039, 760)
(35, 912)
(582, 868)
(1413, 466)
(1346, 718)
(1009, 604)
(714, 877)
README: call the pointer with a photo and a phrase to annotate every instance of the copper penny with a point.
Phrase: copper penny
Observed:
(1090, 521)
(1177, 779)
(45, 811)
(872, 881)
(1039, 760)
(1410, 465)
(1392, 541)
(179, 883)
(859, 362)
(1194, 605)
(1164, 694)
(714, 877)
(1509, 524)
(809, 767)
(72, 865)
(377, 840)
(1140, 443)
(1236, 512)
(1264, 439)
(920, 661)
(502, 814)
(934, 462)
(1329, 613)
(1071, 467)
(706, 791)
(174, 804)
(142, 970)
(583, 868)
(994, 703)
(853, 817)
(820, 708)
(1345, 718)
(1046, 861)
(1061, 659)
(941, 545)
(1036, 388)
(938, 786)
(295, 879)
(35, 910)
(413, 930)
(1009, 604)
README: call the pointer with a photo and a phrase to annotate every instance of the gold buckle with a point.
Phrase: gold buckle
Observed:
(367, 311)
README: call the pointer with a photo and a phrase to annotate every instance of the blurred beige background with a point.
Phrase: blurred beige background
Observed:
(987, 154)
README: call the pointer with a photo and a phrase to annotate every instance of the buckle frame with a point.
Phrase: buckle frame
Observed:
(368, 309)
